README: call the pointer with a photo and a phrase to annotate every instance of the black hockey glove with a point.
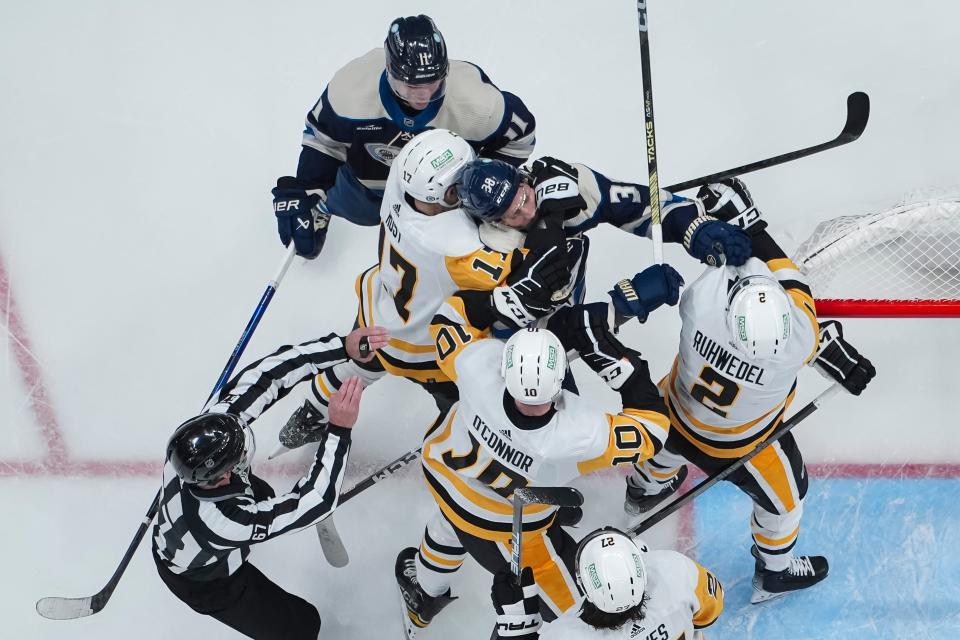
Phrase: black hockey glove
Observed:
(730, 200)
(639, 296)
(534, 288)
(840, 361)
(299, 217)
(584, 328)
(715, 242)
(556, 186)
(518, 607)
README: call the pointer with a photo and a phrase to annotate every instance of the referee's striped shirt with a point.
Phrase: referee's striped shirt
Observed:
(204, 534)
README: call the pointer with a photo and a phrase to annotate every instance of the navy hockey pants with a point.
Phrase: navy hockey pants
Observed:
(350, 200)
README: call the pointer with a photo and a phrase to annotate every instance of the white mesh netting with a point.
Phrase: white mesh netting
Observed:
(909, 253)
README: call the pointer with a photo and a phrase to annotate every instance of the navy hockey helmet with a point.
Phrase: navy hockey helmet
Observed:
(416, 52)
(205, 447)
(487, 187)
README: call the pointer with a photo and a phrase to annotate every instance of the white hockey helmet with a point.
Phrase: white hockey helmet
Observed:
(431, 163)
(533, 366)
(610, 570)
(758, 316)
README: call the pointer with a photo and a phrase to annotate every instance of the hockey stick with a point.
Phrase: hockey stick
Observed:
(858, 112)
(677, 504)
(330, 542)
(57, 608)
(653, 182)
(557, 496)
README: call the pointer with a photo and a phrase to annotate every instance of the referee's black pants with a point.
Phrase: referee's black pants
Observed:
(247, 600)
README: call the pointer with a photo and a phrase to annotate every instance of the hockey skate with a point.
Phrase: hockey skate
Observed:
(803, 572)
(303, 427)
(638, 502)
(417, 607)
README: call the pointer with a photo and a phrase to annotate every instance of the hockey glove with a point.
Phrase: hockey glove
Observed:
(555, 184)
(518, 607)
(534, 288)
(715, 242)
(648, 290)
(838, 359)
(730, 200)
(300, 216)
(583, 328)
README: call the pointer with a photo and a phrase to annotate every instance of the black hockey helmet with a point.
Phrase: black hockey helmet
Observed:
(205, 447)
(487, 187)
(416, 51)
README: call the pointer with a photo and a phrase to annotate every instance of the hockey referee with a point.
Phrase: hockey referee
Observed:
(213, 508)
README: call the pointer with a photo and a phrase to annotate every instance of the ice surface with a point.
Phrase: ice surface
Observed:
(140, 141)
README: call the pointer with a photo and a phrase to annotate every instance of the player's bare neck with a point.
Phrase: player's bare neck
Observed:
(533, 410)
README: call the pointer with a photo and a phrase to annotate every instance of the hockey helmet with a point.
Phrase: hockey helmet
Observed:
(416, 60)
(431, 163)
(205, 447)
(487, 187)
(758, 316)
(533, 365)
(610, 570)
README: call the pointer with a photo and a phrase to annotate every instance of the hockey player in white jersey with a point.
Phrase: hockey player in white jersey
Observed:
(746, 333)
(629, 592)
(429, 249)
(372, 107)
(515, 426)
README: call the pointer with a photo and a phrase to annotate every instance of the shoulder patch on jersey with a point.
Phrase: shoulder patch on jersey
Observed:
(471, 107)
(354, 90)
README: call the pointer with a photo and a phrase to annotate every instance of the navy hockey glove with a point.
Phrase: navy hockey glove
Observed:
(730, 200)
(715, 242)
(839, 360)
(647, 291)
(518, 607)
(534, 288)
(555, 184)
(299, 216)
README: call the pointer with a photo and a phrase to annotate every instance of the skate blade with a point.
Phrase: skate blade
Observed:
(760, 596)
(279, 451)
(409, 629)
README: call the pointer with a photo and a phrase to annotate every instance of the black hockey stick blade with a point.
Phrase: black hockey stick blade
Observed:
(331, 543)
(558, 496)
(858, 113)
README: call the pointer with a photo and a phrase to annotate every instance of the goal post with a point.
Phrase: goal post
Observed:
(903, 262)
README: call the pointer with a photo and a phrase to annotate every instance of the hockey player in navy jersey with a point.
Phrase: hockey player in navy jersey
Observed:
(370, 109)
(508, 201)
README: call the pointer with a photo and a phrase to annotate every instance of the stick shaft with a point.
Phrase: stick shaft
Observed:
(716, 477)
(653, 181)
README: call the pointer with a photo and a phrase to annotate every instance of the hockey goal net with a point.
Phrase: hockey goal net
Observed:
(898, 263)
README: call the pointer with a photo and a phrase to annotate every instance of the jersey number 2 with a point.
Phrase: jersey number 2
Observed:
(717, 399)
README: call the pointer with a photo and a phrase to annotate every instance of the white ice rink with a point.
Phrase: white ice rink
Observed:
(138, 145)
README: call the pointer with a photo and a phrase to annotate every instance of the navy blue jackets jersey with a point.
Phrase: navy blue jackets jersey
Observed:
(359, 121)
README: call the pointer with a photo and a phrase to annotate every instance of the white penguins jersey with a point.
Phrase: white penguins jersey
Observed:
(722, 400)
(481, 451)
(423, 261)
(683, 597)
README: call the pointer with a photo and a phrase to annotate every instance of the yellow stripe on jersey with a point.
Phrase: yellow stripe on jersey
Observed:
(481, 270)
(771, 467)
(777, 542)
(443, 562)
(781, 263)
(451, 333)
(629, 440)
(809, 308)
(709, 594)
